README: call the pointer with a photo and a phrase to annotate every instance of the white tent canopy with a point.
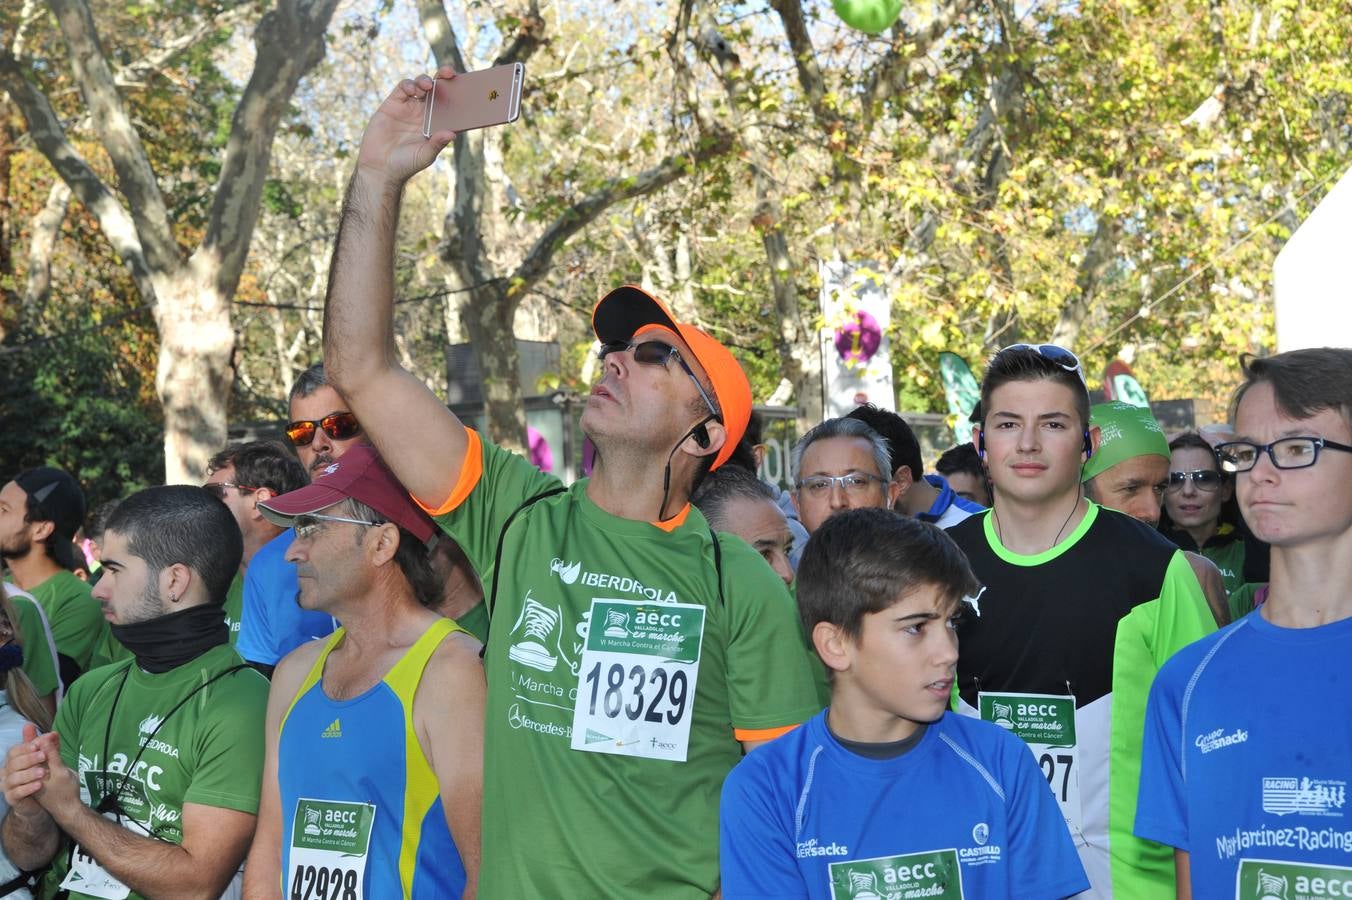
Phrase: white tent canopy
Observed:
(1311, 277)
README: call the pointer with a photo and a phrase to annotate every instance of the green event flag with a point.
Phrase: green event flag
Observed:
(960, 389)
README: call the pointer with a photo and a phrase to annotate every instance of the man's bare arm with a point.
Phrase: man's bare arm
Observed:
(263, 871)
(448, 712)
(1183, 874)
(418, 437)
(214, 842)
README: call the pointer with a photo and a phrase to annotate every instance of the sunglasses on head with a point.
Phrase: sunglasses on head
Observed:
(339, 426)
(1052, 354)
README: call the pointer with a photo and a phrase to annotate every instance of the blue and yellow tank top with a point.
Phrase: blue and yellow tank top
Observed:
(362, 813)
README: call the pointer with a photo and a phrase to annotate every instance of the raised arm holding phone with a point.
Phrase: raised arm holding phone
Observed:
(579, 798)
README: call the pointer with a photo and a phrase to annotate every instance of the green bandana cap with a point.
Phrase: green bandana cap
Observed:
(1126, 432)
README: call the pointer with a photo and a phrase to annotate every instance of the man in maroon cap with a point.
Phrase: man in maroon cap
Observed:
(379, 726)
(634, 655)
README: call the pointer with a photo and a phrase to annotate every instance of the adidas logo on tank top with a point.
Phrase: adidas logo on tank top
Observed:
(335, 730)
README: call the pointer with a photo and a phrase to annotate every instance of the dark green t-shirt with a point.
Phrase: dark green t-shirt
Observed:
(560, 819)
(76, 618)
(39, 661)
(209, 751)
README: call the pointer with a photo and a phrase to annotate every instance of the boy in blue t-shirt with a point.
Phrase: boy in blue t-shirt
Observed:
(1247, 753)
(886, 794)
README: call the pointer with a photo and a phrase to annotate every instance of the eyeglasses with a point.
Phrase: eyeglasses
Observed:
(1052, 354)
(217, 488)
(657, 353)
(308, 525)
(339, 426)
(1286, 453)
(1203, 479)
(855, 483)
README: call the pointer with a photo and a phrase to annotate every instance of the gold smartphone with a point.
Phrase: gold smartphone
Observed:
(475, 100)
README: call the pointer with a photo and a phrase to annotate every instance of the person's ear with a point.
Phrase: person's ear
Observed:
(40, 531)
(175, 582)
(1227, 489)
(261, 495)
(717, 436)
(384, 543)
(758, 451)
(901, 483)
(1094, 435)
(833, 645)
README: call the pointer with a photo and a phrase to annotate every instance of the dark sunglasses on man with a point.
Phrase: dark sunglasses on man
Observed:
(657, 353)
(339, 426)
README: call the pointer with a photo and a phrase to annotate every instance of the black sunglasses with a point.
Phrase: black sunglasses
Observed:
(217, 488)
(1203, 479)
(339, 426)
(657, 353)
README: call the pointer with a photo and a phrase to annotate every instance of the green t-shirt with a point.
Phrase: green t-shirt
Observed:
(565, 822)
(1229, 558)
(76, 618)
(234, 607)
(109, 650)
(209, 751)
(38, 662)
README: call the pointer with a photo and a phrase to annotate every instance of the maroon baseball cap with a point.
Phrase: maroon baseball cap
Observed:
(361, 475)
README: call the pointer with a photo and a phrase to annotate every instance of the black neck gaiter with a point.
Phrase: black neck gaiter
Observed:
(167, 642)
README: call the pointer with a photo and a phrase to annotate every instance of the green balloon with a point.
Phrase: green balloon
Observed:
(869, 16)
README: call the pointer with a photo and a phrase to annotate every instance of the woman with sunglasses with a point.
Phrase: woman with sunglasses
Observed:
(1195, 500)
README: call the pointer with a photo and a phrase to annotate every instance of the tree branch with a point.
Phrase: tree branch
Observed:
(616, 190)
(907, 53)
(47, 134)
(440, 35)
(290, 42)
(136, 178)
(165, 54)
(805, 60)
(530, 36)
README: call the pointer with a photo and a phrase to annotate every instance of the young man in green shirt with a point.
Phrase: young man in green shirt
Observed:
(1081, 606)
(632, 656)
(38, 508)
(147, 786)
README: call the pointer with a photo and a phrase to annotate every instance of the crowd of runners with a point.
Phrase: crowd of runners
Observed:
(1080, 658)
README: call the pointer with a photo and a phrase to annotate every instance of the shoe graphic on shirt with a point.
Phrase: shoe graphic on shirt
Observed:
(1271, 887)
(536, 624)
(617, 624)
(864, 886)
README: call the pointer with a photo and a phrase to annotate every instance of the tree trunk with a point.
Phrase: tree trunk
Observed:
(488, 320)
(193, 377)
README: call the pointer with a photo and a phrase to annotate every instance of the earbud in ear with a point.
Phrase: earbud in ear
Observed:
(1088, 446)
(981, 444)
(701, 436)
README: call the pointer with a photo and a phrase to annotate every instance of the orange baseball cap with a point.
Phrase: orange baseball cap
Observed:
(620, 314)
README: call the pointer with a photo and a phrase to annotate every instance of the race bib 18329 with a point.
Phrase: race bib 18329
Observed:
(636, 686)
(931, 874)
(330, 840)
(1046, 723)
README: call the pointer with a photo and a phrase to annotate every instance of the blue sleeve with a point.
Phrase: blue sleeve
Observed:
(1161, 808)
(254, 642)
(1042, 857)
(755, 840)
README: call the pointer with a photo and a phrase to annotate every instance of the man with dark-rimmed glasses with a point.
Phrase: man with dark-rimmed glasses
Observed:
(632, 655)
(321, 430)
(1247, 753)
(1080, 606)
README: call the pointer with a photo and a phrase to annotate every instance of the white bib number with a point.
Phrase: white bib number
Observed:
(86, 876)
(636, 686)
(1046, 723)
(330, 840)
